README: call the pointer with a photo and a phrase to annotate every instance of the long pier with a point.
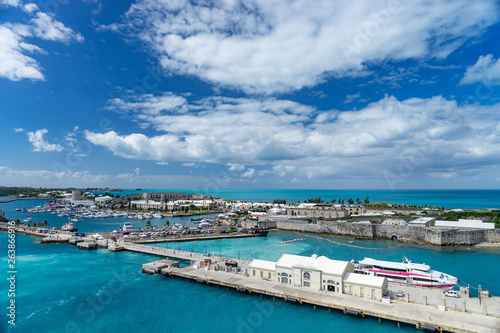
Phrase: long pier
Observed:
(179, 254)
(189, 238)
(431, 314)
(419, 315)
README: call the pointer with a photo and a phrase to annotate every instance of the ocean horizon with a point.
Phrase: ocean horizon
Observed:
(449, 199)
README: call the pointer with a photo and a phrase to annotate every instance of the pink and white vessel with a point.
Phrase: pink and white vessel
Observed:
(405, 272)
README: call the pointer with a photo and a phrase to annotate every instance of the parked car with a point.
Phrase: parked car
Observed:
(231, 263)
(400, 293)
(451, 293)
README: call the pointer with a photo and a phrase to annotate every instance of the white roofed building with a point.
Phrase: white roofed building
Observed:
(262, 269)
(103, 199)
(367, 286)
(465, 223)
(316, 273)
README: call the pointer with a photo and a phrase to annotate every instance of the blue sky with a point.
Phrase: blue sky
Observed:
(250, 94)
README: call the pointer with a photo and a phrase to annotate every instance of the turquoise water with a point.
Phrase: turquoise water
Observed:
(62, 289)
(446, 198)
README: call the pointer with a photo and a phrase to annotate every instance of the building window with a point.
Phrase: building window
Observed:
(351, 291)
(253, 272)
(307, 284)
(261, 273)
(373, 293)
(307, 276)
(269, 275)
(362, 291)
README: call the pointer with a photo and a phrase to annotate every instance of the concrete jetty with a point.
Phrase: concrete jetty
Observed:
(180, 254)
(156, 266)
(419, 315)
(87, 246)
(189, 238)
(424, 308)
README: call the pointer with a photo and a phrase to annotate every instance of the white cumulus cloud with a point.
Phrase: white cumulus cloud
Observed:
(13, 3)
(262, 46)
(15, 64)
(40, 144)
(290, 139)
(486, 70)
(45, 27)
(249, 173)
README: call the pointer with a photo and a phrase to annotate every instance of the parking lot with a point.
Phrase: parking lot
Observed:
(437, 298)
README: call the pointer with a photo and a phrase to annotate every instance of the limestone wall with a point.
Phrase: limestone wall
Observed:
(406, 233)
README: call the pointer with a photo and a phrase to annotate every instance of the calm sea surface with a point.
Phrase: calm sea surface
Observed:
(441, 198)
(62, 289)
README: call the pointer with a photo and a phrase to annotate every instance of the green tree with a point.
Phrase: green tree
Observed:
(148, 224)
(314, 200)
(358, 201)
(367, 200)
(334, 200)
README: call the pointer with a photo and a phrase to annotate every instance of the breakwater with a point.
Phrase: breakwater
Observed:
(414, 234)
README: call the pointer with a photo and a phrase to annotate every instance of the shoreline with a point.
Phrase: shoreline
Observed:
(488, 245)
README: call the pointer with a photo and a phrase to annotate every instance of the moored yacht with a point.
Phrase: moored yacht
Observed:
(127, 227)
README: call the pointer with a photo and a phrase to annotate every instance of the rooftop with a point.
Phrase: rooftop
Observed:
(365, 280)
(324, 264)
(263, 264)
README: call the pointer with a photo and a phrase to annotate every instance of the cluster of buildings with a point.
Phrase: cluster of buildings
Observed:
(325, 211)
(319, 274)
(172, 201)
(461, 223)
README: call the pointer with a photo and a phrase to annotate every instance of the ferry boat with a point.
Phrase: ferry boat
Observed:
(405, 272)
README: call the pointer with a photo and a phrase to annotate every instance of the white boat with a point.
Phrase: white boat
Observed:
(405, 272)
(147, 216)
(127, 227)
(28, 220)
(68, 227)
(139, 217)
(157, 215)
